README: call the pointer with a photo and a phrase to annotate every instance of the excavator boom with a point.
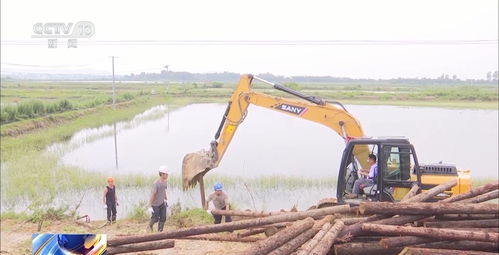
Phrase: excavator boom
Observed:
(196, 165)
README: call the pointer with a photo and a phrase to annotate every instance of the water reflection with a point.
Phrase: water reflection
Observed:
(270, 143)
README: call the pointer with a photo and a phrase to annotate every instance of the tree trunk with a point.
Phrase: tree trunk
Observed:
(400, 220)
(432, 192)
(254, 231)
(426, 208)
(482, 198)
(367, 238)
(427, 251)
(414, 190)
(462, 245)
(271, 243)
(242, 224)
(444, 234)
(463, 224)
(294, 243)
(355, 229)
(467, 217)
(327, 241)
(245, 213)
(350, 221)
(251, 232)
(402, 241)
(299, 240)
(309, 246)
(473, 192)
(487, 230)
(141, 247)
(403, 219)
(371, 248)
(224, 238)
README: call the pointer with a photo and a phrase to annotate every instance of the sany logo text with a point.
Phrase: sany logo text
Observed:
(298, 110)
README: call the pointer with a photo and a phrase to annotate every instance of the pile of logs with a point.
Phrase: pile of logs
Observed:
(461, 224)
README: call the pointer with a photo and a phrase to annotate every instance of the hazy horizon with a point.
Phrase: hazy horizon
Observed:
(359, 39)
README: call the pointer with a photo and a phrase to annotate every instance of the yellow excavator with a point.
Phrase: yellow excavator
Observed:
(398, 167)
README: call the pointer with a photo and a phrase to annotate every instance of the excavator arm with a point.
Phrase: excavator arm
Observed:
(196, 165)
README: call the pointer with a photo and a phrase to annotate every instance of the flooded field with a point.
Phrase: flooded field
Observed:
(270, 143)
(266, 147)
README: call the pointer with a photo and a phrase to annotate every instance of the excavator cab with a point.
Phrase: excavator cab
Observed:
(397, 165)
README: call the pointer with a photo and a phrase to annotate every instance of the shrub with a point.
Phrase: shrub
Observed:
(65, 105)
(38, 108)
(11, 111)
(127, 96)
(25, 110)
(292, 85)
(4, 116)
(217, 85)
(41, 213)
(188, 217)
(52, 108)
(139, 212)
(11, 215)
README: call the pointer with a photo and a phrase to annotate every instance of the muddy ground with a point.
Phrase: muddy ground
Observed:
(16, 237)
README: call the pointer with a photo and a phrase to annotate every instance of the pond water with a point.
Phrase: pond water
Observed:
(269, 143)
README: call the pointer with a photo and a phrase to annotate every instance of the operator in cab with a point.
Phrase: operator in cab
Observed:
(368, 177)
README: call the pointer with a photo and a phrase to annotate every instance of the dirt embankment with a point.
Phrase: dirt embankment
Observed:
(16, 237)
(26, 126)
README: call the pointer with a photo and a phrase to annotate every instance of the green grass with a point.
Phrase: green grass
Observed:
(139, 212)
(188, 217)
(11, 215)
(28, 100)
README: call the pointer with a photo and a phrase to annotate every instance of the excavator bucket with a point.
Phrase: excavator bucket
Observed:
(194, 166)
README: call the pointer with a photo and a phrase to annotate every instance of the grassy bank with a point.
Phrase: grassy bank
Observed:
(30, 172)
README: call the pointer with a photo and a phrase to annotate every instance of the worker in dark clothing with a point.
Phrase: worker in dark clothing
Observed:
(110, 200)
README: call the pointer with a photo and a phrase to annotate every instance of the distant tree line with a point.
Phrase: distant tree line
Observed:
(171, 76)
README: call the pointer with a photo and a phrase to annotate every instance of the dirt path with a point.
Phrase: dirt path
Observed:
(16, 237)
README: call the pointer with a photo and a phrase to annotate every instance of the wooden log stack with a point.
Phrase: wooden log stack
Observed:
(464, 224)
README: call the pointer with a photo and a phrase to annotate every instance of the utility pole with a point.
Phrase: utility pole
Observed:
(114, 92)
(114, 123)
(167, 105)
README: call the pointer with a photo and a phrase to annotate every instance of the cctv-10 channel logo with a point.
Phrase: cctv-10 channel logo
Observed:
(57, 30)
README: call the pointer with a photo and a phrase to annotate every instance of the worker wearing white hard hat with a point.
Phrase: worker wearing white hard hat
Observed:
(163, 169)
(158, 200)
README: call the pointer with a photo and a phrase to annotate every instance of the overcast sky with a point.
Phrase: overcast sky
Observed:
(418, 29)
